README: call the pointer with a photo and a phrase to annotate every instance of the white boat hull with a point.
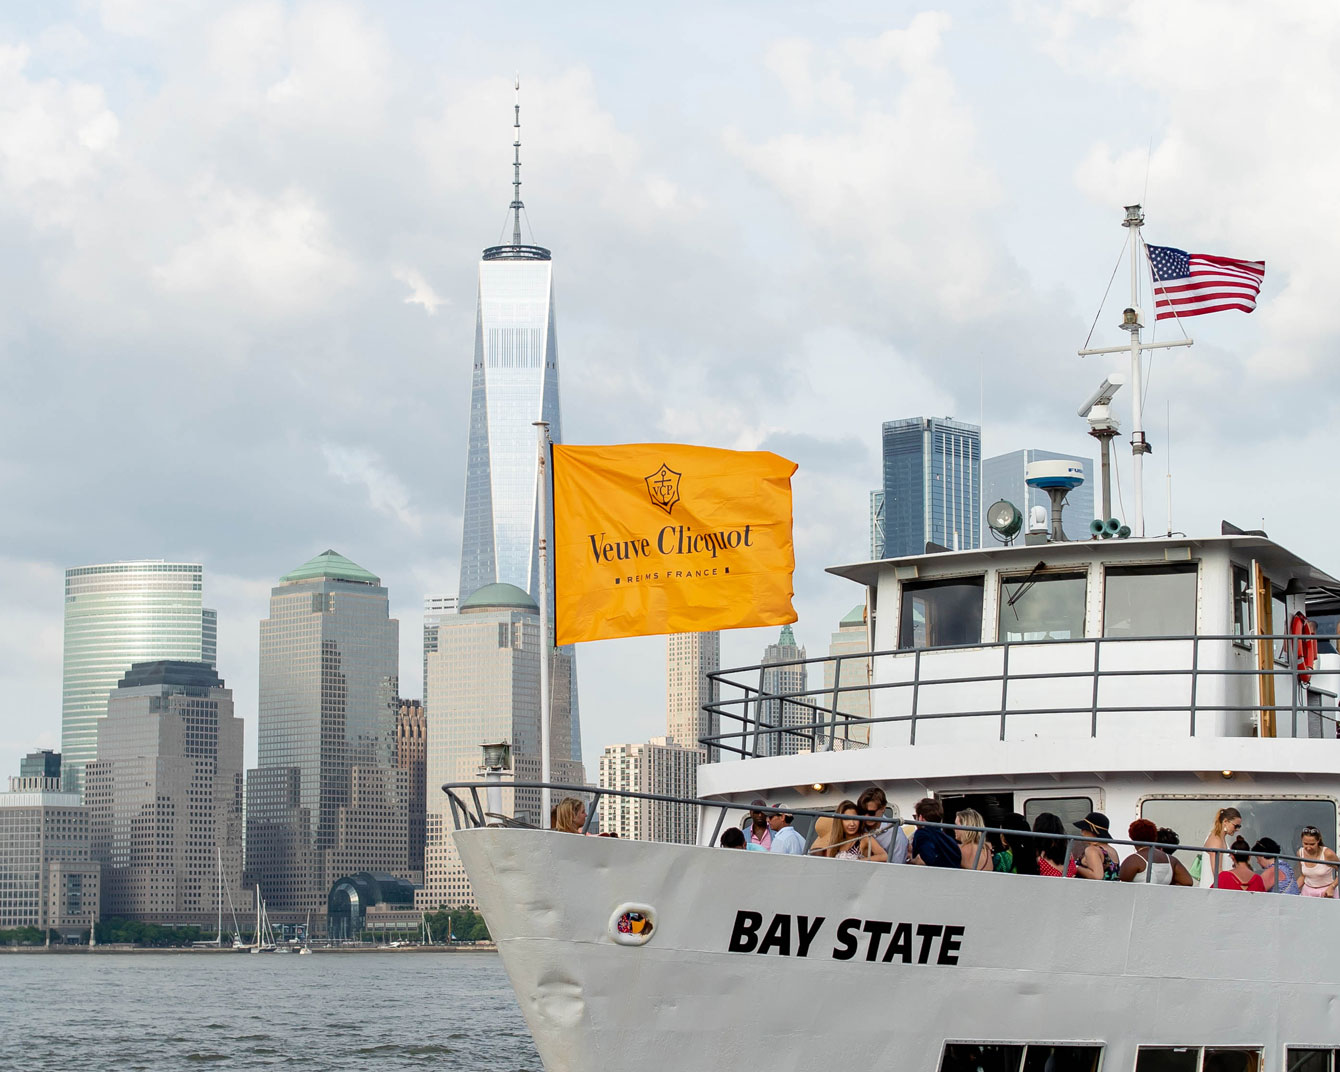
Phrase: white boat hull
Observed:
(1030, 959)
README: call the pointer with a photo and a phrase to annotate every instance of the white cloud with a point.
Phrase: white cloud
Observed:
(272, 254)
(54, 135)
(420, 291)
(894, 179)
(386, 494)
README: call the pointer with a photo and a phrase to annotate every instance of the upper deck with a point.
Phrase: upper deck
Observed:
(1139, 638)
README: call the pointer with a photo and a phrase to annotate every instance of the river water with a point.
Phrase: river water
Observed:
(332, 1011)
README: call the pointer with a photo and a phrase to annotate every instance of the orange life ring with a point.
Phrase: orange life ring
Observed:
(1305, 631)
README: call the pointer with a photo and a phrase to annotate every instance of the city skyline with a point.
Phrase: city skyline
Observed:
(282, 344)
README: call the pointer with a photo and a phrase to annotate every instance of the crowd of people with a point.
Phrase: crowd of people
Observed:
(860, 831)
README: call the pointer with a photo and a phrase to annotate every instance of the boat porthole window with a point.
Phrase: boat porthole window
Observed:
(632, 924)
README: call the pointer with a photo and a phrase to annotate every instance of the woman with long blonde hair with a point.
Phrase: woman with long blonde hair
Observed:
(570, 816)
(976, 856)
(1227, 824)
(848, 839)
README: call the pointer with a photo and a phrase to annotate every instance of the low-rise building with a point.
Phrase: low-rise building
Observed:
(48, 878)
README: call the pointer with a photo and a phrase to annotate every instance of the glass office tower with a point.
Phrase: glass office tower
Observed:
(932, 485)
(515, 383)
(329, 678)
(116, 614)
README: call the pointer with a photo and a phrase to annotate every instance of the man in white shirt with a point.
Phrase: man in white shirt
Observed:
(785, 838)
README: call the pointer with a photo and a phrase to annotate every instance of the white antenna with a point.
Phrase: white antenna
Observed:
(1130, 321)
(516, 205)
(1167, 459)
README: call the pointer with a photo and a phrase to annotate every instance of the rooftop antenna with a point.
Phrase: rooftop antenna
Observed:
(516, 206)
(1131, 321)
(1167, 458)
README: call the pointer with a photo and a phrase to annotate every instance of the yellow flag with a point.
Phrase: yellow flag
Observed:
(667, 538)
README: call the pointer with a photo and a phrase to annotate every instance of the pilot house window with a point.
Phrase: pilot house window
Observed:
(938, 614)
(1150, 601)
(1242, 604)
(1042, 606)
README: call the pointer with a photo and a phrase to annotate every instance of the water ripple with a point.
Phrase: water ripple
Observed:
(166, 1011)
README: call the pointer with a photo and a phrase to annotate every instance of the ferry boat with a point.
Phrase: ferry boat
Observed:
(1163, 678)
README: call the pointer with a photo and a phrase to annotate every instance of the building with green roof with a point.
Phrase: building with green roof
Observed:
(326, 794)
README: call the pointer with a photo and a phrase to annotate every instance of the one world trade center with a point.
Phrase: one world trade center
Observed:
(515, 383)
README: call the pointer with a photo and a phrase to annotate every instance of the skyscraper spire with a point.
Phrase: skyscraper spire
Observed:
(517, 206)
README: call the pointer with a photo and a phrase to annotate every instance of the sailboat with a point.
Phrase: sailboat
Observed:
(306, 946)
(265, 939)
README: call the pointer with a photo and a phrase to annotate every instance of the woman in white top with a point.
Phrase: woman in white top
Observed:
(1164, 868)
(1321, 877)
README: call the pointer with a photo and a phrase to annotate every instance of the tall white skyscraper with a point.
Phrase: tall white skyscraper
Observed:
(689, 658)
(116, 614)
(657, 766)
(483, 686)
(515, 383)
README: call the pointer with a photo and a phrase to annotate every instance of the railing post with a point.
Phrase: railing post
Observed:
(758, 722)
(832, 703)
(1004, 686)
(591, 811)
(1195, 678)
(721, 820)
(916, 695)
(1097, 663)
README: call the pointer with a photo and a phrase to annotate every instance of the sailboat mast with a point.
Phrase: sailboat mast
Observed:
(218, 856)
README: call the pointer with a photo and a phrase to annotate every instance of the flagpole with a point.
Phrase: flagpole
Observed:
(1130, 321)
(1135, 218)
(542, 545)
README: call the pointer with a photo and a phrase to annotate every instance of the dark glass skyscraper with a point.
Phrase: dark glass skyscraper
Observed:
(932, 485)
(515, 384)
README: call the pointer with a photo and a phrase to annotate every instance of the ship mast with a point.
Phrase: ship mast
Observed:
(1131, 321)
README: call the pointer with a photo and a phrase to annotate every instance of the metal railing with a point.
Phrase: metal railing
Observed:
(812, 720)
(472, 815)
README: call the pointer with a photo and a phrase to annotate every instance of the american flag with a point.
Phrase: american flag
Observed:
(1189, 284)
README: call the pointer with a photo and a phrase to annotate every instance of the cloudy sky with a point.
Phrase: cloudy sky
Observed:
(238, 246)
